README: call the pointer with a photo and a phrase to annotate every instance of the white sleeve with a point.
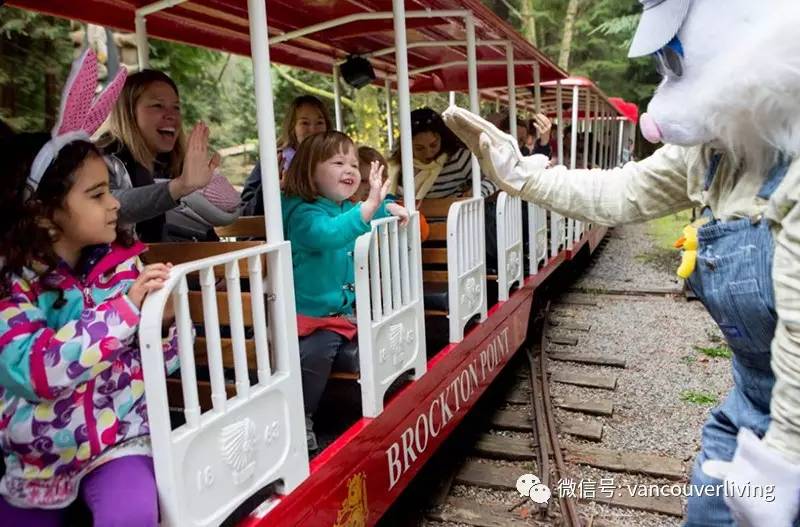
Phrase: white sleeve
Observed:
(637, 191)
(783, 433)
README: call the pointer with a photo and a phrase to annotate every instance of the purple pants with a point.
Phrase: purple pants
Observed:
(120, 493)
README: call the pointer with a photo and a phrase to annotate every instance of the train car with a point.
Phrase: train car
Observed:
(227, 432)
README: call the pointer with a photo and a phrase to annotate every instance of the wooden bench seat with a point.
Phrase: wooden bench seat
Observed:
(182, 252)
(244, 227)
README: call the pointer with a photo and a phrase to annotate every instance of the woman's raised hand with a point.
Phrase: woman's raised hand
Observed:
(197, 168)
(543, 125)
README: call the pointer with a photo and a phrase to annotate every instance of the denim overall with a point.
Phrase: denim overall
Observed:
(733, 279)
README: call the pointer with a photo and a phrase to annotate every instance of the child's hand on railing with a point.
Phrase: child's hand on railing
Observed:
(378, 189)
(397, 210)
(151, 278)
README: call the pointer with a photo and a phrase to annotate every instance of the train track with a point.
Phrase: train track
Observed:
(511, 440)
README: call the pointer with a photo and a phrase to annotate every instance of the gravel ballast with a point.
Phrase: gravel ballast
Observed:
(669, 385)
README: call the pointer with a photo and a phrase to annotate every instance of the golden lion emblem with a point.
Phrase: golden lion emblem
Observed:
(354, 510)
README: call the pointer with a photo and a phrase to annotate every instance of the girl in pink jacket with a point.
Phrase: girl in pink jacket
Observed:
(73, 419)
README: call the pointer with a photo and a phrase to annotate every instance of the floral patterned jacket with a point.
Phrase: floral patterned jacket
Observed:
(71, 385)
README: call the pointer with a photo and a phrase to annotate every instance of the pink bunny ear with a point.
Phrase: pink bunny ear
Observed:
(76, 99)
(102, 107)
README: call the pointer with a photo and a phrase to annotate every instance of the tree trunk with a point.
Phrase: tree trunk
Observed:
(8, 90)
(529, 21)
(313, 90)
(566, 38)
(51, 95)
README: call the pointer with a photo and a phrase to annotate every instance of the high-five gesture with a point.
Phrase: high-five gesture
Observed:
(378, 189)
(543, 126)
(197, 168)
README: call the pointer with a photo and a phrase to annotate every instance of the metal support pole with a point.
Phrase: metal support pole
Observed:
(587, 125)
(573, 152)
(142, 48)
(403, 104)
(573, 136)
(512, 91)
(451, 98)
(337, 98)
(474, 104)
(265, 117)
(596, 133)
(389, 123)
(560, 117)
(140, 24)
(603, 138)
(537, 88)
(620, 139)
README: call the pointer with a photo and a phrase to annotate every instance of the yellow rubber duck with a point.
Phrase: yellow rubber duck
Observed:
(688, 242)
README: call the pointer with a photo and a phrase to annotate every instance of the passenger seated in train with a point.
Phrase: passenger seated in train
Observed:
(306, 116)
(537, 136)
(169, 189)
(75, 419)
(366, 156)
(322, 225)
(442, 164)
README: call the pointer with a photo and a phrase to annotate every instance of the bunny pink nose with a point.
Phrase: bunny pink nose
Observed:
(650, 129)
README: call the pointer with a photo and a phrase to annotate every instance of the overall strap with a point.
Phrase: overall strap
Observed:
(716, 157)
(774, 177)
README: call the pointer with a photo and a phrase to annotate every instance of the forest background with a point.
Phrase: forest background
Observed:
(585, 37)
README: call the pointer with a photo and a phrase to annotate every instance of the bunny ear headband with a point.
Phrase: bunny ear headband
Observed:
(81, 113)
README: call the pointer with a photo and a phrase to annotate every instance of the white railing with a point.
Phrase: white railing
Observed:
(389, 308)
(208, 466)
(558, 233)
(537, 237)
(571, 229)
(466, 265)
(510, 256)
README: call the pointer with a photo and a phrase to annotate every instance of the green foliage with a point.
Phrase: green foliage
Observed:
(699, 397)
(218, 88)
(664, 231)
(603, 31)
(33, 49)
(715, 352)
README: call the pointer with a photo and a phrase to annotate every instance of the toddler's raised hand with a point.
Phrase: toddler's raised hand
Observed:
(151, 278)
(378, 189)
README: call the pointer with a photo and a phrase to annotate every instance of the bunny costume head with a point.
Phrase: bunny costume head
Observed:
(728, 69)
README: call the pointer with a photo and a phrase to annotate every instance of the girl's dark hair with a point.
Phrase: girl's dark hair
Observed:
(27, 223)
(427, 120)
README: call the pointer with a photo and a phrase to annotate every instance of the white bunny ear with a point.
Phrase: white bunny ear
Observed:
(76, 99)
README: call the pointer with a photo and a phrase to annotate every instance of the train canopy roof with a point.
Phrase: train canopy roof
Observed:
(223, 25)
(625, 109)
